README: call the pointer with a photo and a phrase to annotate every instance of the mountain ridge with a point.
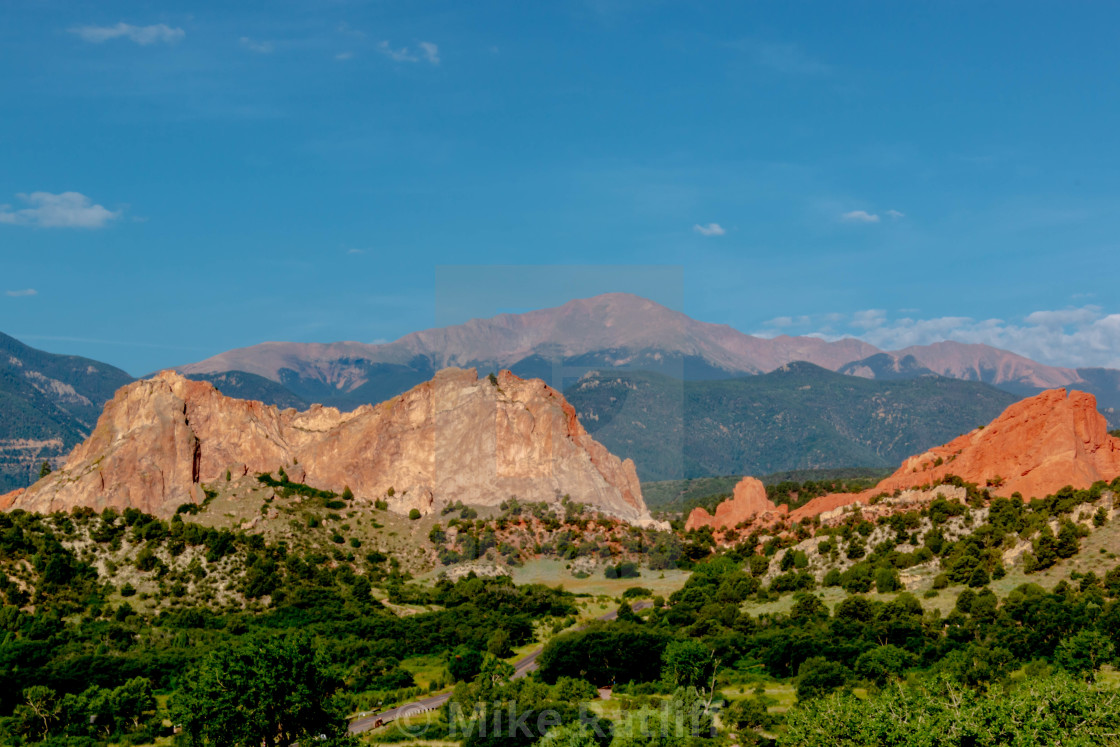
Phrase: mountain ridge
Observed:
(48, 404)
(619, 330)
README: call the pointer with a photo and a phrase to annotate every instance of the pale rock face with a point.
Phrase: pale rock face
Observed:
(455, 438)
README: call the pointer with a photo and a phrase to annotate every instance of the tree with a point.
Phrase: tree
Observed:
(498, 644)
(44, 469)
(817, 677)
(887, 580)
(43, 703)
(271, 690)
(464, 663)
(1084, 653)
(687, 663)
(574, 734)
(1049, 712)
(884, 663)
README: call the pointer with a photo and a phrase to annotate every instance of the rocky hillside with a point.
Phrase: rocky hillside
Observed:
(1035, 448)
(165, 441)
(48, 404)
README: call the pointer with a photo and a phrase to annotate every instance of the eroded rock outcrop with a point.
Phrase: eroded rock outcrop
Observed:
(1035, 447)
(454, 438)
(747, 504)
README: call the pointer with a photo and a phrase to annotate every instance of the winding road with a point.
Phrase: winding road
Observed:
(521, 668)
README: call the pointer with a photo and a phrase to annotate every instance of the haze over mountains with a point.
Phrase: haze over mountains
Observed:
(48, 403)
(619, 330)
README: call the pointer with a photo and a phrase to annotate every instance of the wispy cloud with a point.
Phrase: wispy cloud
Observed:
(260, 47)
(711, 229)
(21, 293)
(1077, 337)
(159, 33)
(430, 52)
(895, 214)
(343, 56)
(788, 59)
(65, 210)
(859, 216)
(425, 51)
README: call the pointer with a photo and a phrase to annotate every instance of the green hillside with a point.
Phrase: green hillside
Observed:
(798, 417)
(48, 403)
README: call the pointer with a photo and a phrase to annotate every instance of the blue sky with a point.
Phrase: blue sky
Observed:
(178, 179)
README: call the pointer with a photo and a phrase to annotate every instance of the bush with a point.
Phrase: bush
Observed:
(636, 592)
(414, 514)
(887, 580)
(817, 677)
(625, 569)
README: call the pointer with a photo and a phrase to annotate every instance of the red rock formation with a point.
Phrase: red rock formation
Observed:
(1036, 447)
(453, 438)
(8, 499)
(747, 504)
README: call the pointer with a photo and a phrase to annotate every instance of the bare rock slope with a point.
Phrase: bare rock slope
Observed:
(454, 438)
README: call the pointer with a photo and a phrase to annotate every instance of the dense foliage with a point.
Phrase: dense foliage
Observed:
(796, 417)
(76, 639)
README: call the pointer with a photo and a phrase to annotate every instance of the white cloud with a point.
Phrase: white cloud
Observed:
(342, 56)
(1075, 337)
(428, 52)
(64, 210)
(348, 30)
(859, 216)
(142, 35)
(711, 229)
(1064, 317)
(21, 293)
(895, 214)
(869, 318)
(260, 47)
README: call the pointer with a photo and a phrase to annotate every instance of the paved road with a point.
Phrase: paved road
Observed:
(521, 668)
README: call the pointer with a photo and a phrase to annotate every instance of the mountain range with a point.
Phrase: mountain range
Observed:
(48, 403)
(799, 416)
(619, 330)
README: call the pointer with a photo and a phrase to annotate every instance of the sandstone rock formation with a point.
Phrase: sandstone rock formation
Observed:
(748, 503)
(1035, 448)
(455, 438)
